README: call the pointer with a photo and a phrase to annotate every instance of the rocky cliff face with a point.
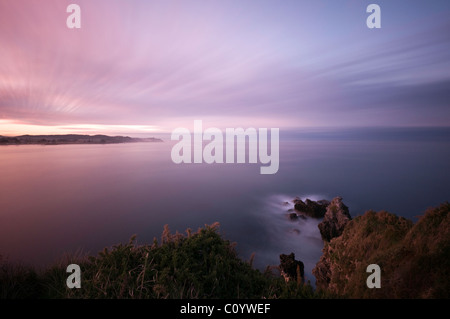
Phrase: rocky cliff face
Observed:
(335, 219)
(414, 258)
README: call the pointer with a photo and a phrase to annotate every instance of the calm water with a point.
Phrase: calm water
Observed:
(56, 199)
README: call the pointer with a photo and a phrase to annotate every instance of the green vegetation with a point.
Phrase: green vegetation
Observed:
(195, 265)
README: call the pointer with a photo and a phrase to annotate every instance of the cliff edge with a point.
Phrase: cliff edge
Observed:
(414, 258)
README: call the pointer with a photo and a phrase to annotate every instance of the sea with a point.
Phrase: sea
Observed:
(60, 199)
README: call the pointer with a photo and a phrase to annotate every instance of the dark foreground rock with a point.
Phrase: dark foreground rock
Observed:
(311, 208)
(291, 269)
(335, 219)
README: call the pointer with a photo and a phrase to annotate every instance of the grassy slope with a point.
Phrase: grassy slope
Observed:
(195, 265)
(414, 259)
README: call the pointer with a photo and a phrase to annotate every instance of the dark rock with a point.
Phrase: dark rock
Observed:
(311, 208)
(335, 219)
(296, 199)
(292, 216)
(291, 269)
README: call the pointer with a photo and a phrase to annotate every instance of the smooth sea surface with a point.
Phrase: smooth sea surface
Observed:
(64, 198)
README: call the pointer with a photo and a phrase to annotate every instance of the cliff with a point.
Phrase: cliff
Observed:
(336, 217)
(414, 258)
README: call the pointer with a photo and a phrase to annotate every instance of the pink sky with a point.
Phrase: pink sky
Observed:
(145, 66)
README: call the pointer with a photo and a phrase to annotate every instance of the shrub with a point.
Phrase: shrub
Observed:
(195, 265)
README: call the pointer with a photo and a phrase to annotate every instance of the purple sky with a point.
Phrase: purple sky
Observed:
(143, 66)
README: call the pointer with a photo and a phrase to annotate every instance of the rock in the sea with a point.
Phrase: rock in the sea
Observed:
(335, 219)
(292, 269)
(311, 208)
(292, 216)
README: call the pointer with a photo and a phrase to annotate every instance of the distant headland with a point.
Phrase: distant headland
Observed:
(71, 139)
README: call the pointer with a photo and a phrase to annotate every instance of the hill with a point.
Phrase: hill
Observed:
(71, 139)
(414, 258)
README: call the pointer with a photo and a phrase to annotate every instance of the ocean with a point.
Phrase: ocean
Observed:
(60, 199)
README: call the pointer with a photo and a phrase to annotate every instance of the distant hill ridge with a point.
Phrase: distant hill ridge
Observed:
(72, 139)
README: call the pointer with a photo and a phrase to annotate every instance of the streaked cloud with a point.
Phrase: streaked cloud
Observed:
(143, 65)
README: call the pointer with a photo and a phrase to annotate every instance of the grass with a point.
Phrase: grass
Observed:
(414, 261)
(414, 258)
(193, 265)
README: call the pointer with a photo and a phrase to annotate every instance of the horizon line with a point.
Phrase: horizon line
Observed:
(319, 129)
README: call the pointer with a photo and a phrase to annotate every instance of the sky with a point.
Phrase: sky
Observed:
(139, 67)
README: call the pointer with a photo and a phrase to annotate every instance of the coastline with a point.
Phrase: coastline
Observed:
(72, 139)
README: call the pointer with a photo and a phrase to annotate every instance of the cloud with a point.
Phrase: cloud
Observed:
(153, 63)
